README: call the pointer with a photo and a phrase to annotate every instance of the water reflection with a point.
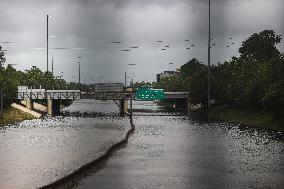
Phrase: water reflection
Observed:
(165, 151)
(175, 152)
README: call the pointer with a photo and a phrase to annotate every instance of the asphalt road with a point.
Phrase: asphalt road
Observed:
(173, 152)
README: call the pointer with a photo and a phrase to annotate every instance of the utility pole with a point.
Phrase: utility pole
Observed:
(209, 45)
(79, 57)
(79, 72)
(52, 63)
(1, 102)
(47, 43)
(125, 79)
(52, 51)
(131, 111)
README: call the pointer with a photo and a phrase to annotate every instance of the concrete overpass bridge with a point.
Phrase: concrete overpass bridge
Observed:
(103, 91)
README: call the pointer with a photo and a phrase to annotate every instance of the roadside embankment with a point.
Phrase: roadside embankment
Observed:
(13, 115)
(246, 118)
(25, 110)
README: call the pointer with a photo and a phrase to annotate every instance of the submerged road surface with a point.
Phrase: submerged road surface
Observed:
(38, 152)
(173, 152)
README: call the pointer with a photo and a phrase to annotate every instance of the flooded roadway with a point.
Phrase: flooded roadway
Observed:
(165, 151)
(168, 151)
(37, 152)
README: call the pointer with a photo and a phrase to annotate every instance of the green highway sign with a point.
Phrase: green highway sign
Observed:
(147, 94)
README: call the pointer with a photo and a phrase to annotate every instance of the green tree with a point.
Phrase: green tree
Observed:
(197, 73)
(255, 80)
(2, 57)
(261, 46)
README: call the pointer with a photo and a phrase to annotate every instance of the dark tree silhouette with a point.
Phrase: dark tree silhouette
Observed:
(261, 46)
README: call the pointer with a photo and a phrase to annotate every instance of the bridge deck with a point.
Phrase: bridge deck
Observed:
(172, 95)
(105, 92)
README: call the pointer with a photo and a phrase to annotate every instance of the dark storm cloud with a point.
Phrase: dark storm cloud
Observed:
(92, 24)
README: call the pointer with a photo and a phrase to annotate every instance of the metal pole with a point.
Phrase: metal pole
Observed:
(52, 64)
(125, 79)
(52, 55)
(209, 44)
(1, 101)
(131, 98)
(47, 43)
(79, 73)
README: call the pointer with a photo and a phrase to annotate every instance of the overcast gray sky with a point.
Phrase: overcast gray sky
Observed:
(89, 26)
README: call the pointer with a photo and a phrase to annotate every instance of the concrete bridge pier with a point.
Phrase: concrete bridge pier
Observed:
(123, 107)
(188, 107)
(49, 107)
(53, 107)
(29, 104)
(183, 104)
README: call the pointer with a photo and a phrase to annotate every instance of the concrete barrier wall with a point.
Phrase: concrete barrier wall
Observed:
(23, 109)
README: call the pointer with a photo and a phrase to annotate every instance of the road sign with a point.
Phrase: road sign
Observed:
(147, 94)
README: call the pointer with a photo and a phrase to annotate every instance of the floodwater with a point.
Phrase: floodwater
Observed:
(169, 151)
(37, 152)
(165, 151)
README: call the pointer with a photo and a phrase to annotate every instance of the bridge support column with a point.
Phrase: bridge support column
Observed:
(188, 107)
(53, 107)
(123, 107)
(56, 107)
(29, 104)
(49, 107)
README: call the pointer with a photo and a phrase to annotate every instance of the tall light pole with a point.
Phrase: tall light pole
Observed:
(52, 37)
(1, 104)
(79, 57)
(125, 79)
(209, 44)
(47, 42)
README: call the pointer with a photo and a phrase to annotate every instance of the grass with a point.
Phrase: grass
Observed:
(12, 115)
(246, 118)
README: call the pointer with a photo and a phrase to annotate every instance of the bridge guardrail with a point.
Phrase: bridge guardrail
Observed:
(48, 94)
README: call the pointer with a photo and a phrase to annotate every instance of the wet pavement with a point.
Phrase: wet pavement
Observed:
(168, 151)
(165, 151)
(37, 152)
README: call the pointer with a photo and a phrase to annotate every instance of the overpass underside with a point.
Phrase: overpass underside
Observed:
(116, 93)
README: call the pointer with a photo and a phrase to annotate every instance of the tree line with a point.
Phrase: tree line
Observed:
(10, 79)
(253, 81)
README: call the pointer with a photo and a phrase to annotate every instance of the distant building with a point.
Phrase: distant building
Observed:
(165, 74)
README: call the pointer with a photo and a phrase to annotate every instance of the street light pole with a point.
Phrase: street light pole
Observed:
(79, 72)
(209, 44)
(52, 38)
(47, 43)
(79, 57)
(1, 104)
(125, 79)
